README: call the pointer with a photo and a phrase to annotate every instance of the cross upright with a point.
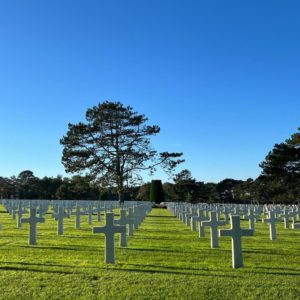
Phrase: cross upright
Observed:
(131, 223)
(213, 223)
(20, 213)
(109, 230)
(191, 213)
(90, 213)
(286, 215)
(236, 233)
(13, 211)
(98, 209)
(32, 220)
(226, 213)
(59, 217)
(272, 220)
(137, 216)
(251, 218)
(200, 218)
(124, 220)
(295, 214)
(184, 214)
(180, 214)
(237, 210)
(77, 214)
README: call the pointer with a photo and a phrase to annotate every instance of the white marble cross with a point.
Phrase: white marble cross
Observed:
(236, 233)
(131, 223)
(191, 213)
(251, 218)
(226, 213)
(109, 230)
(137, 216)
(200, 218)
(272, 220)
(237, 210)
(78, 213)
(59, 217)
(122, 221)
(90, 213)
(13, 212)
(32, 220)
(20, 213)
(213, 223)
(286, 215)
(98, 209)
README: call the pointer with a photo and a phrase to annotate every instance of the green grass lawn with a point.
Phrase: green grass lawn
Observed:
(163, 260)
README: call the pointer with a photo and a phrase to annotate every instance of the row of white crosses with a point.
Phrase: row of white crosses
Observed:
(252, 213)
(61, 209)
(277, 213)
(135, 216)
(214, 222)
(235, 232)
(210, 216)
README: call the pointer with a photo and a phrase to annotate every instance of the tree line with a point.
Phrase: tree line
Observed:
(113, 146)
(183, 188)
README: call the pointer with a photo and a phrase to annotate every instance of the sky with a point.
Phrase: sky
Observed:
(221, 78)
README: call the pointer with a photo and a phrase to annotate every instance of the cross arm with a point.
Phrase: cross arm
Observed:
(99, 230)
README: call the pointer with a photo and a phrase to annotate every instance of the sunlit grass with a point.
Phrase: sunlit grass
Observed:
(163, 260)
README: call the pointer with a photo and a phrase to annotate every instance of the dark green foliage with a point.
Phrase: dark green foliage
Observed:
(186, 188)
(279, 181)
(113, 146)
(144, 192)
(27, 186)
(225, 189)
(281, 171)
(156, 192)
(7, 187)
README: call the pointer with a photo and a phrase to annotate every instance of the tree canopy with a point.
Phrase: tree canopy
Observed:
(281, 170)
(113, 146)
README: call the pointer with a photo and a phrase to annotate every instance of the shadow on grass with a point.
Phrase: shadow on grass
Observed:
(174, 272)
(276, 273)
(280, 269)
(95, 277)
(7, 268)
(167, 231)
(74, 248)
(160, 222)
(46, 265)
(168, 267)
(265, 252)
(159, 216)
(7, 243)
(215, 271)
(113, 269)
(145, 238)
(179, 251)
(182, 271)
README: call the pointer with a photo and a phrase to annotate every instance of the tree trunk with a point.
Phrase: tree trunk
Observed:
(121, 190)
(121, 195)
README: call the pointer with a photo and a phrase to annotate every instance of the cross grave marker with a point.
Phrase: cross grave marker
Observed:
(109, 230)
(236, 233)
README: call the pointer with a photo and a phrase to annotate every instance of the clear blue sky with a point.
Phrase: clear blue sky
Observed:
(221, 78)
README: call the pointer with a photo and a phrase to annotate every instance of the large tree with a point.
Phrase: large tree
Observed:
(113, 146)
(281, 170)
